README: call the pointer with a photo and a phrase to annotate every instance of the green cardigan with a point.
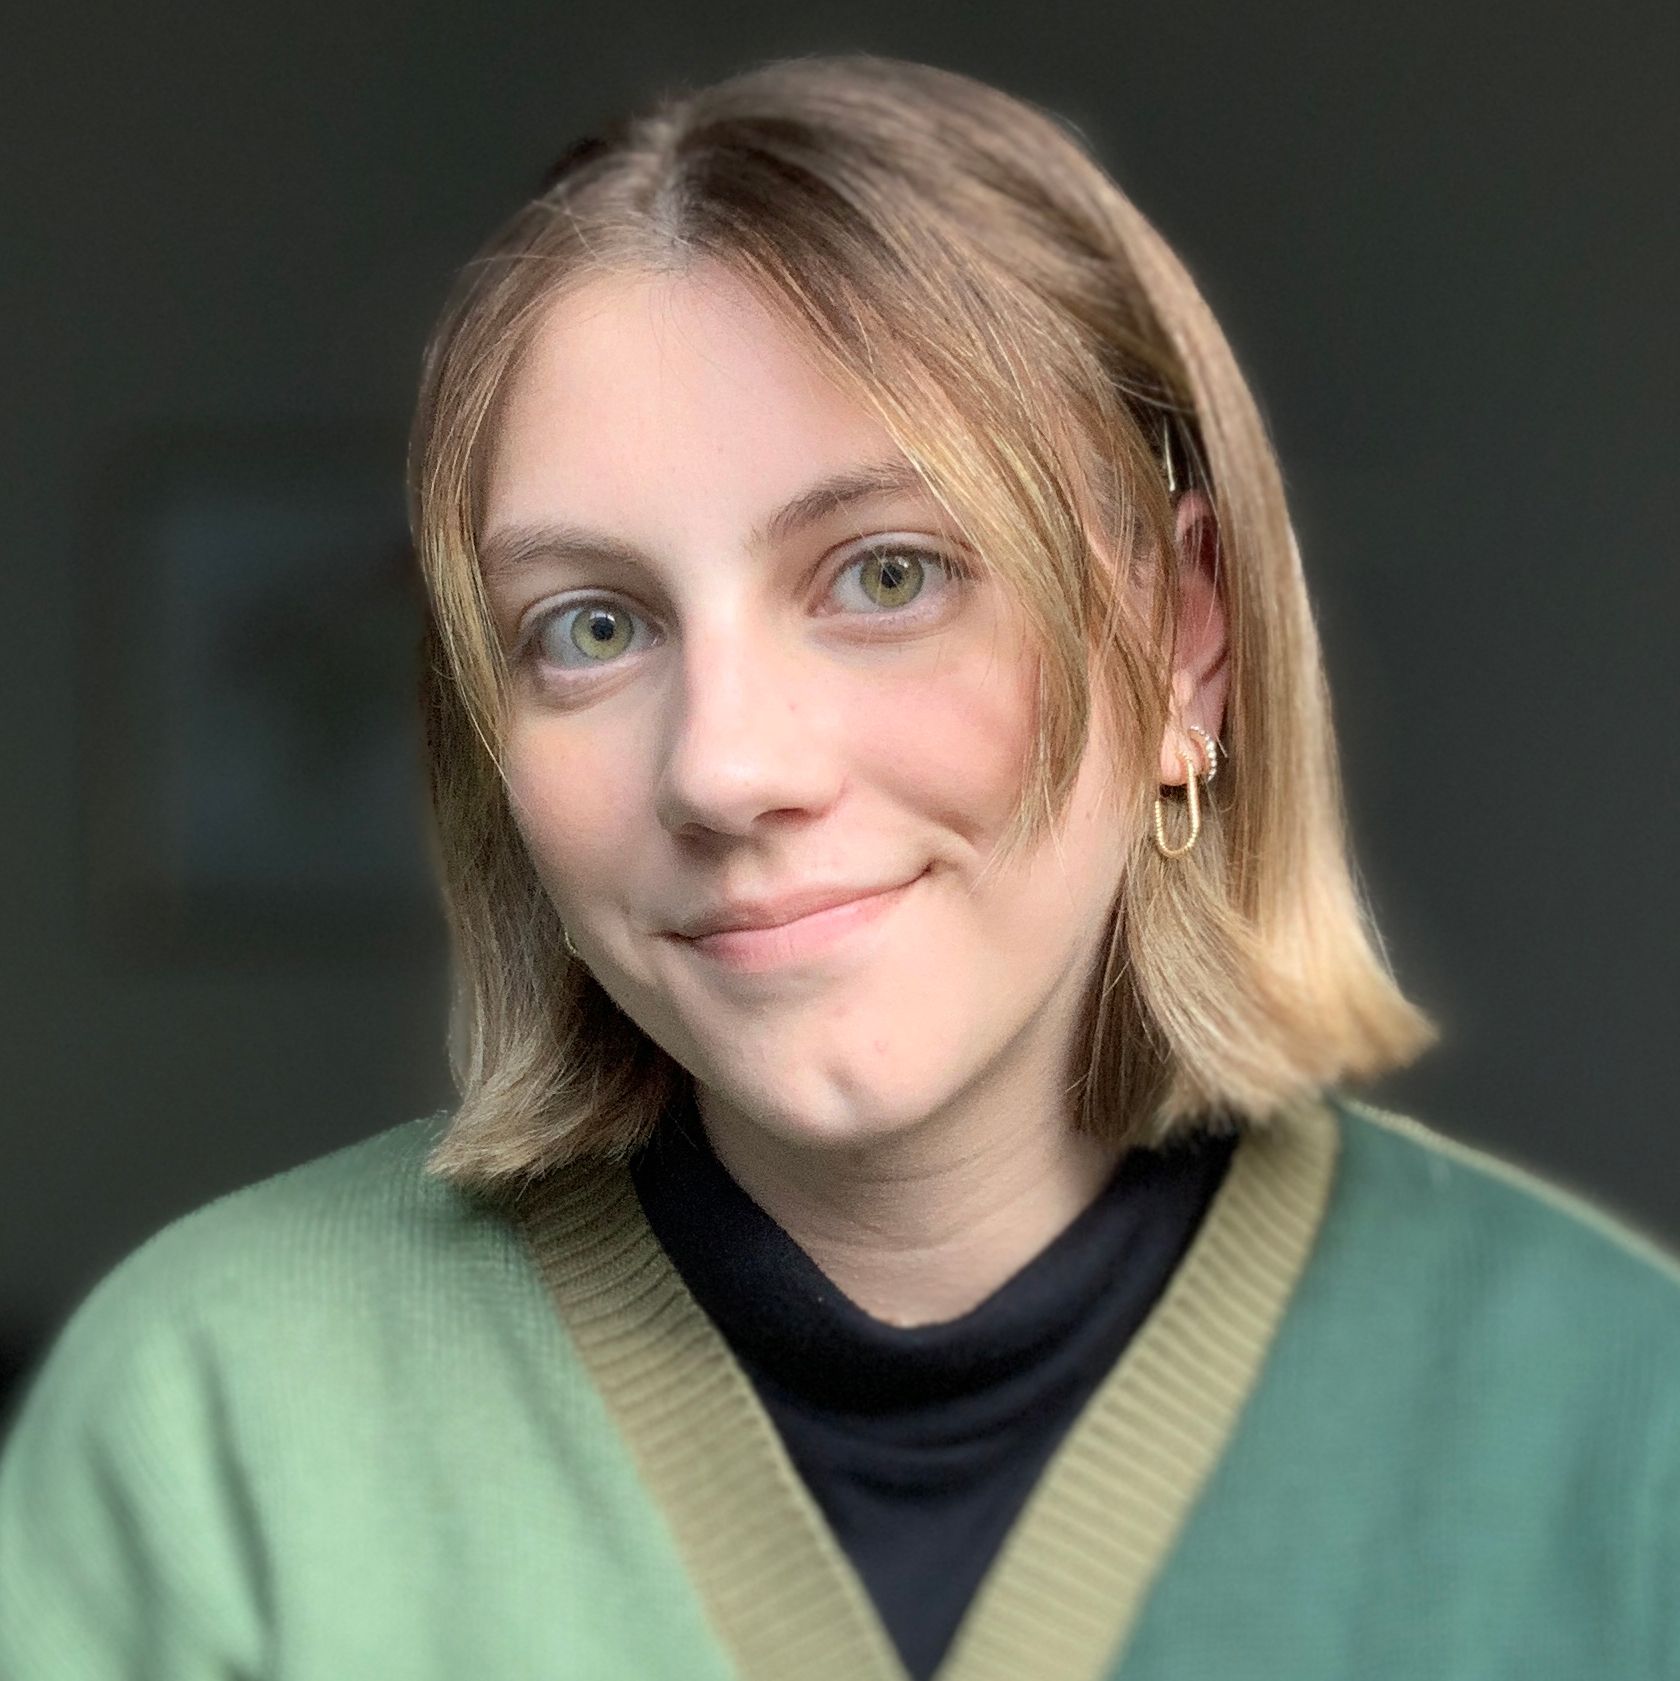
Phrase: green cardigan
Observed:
(1405, 1410)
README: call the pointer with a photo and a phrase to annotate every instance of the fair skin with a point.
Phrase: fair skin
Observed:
(739, 715)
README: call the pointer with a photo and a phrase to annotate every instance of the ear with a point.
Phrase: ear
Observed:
(1201, 668)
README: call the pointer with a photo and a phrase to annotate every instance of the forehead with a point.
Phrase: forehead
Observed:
(661, 396)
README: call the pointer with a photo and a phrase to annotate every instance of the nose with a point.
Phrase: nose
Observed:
(750, 730)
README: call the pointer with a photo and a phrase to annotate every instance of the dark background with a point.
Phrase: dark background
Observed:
(1443, 243)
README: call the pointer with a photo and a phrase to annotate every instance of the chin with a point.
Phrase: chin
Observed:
(827, 1113)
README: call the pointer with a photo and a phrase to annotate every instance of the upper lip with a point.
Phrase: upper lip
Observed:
(772, 913)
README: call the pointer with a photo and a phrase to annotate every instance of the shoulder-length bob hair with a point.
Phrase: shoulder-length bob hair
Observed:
(966, 269)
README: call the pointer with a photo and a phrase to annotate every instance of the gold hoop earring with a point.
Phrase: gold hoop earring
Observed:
(1211, 769)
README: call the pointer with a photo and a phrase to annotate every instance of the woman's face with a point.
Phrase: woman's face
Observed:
(733, 689)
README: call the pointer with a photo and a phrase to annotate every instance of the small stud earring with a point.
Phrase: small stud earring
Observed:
(1212, 750)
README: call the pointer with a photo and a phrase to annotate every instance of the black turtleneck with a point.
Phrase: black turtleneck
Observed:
(921, 1443)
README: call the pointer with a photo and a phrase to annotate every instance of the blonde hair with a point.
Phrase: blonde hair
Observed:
(964, 266)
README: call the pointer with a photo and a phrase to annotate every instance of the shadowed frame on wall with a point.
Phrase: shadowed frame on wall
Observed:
(252, 781)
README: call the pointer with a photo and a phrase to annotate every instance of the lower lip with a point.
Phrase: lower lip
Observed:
(750, 950)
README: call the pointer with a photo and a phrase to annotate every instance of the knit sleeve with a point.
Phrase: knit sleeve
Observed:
(125, 1551)
(1660, 1532)
(1652, 1564)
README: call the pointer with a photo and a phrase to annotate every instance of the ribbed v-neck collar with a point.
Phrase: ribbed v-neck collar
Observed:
(1065, 1591)
(921, 1444)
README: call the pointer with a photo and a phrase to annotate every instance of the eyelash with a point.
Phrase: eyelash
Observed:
(957, 575)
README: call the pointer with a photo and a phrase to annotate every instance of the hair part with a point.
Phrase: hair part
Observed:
(959, 262)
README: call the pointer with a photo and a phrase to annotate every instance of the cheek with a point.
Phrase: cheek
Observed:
(567, 793)
(950, 744)
(967, 759)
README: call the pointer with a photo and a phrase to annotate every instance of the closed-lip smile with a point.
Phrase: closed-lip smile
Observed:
(773, 913)
(820, 926)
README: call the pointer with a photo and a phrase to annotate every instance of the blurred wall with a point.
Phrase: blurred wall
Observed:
(1443, 243)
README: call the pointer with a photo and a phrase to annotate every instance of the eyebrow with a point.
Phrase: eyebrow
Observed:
(512, 548)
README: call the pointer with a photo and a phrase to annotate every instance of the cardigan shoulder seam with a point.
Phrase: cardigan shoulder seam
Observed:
(1621, 1230)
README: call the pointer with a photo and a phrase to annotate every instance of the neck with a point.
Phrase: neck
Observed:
(921, 1226)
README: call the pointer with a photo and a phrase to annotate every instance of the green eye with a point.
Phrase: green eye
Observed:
(586, 633)
(893, 576)
(897, 573)
(600, 631)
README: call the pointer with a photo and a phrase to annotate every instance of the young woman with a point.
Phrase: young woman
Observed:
(904, 1214)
